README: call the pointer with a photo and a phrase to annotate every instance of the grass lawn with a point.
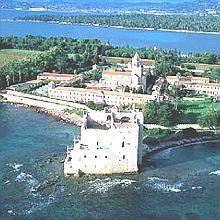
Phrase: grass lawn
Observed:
(127, 60)
(8, 55)
(192, 111)
(201, 66)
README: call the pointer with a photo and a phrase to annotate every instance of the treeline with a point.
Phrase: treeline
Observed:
(170, 22)
(74, 55)
(64, 55)
(39, 43)
(27, 69)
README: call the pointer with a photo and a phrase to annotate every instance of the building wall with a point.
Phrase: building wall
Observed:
(98, 96)
(113, 80)
(116, 150)
(209, 88)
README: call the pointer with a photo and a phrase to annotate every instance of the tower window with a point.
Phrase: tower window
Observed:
(95, 156)
(123, 157)
(97, 143)
(123, 144)
(84, 156)
(106, 157)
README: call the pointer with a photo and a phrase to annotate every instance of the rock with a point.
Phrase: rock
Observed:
(62, 161)
(47, 183)
(49, 160)
(79, 174)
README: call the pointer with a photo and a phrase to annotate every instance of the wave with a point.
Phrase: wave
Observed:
(164, 185)
(217, 172)
(15, 166)
(29, 180)
(104, 185)
(41, 205)
(196, 187)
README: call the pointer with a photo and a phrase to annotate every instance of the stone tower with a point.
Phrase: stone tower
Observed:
(137, 76)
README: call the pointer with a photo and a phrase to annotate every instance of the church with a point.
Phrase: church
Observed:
(133, 77)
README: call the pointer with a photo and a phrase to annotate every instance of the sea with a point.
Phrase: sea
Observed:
(183, 42)
(176, 184)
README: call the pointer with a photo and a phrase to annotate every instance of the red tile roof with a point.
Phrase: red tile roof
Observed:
(118, 73)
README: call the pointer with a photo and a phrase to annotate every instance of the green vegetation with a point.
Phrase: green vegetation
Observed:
(214, 75)
(155, 136)
(162, 114)
(92, 105)
(210, 119)
(189, 66)
(9, 55)
(202, 66)
(206, 113)
(93, 75)
(54, 56)
(193, 111)
(125, 60)
(76, 111)
(171, 22)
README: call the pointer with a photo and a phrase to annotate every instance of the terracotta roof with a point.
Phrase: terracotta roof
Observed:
(200, 78)
(118, 73)
(56, 74)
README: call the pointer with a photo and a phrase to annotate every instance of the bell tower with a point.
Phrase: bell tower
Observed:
(136, 70)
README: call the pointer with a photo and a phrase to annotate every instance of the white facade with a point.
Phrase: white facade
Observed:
(98, 96)
(210, 89)
(197, 84)
(110, 142)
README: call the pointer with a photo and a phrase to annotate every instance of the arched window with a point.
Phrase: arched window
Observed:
(123, 144)
(109, 118)
(125, 119)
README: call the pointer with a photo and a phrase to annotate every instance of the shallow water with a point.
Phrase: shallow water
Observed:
(181, 183)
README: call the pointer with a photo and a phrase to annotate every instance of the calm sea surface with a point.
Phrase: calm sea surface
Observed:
(181, 183)
(184, 42)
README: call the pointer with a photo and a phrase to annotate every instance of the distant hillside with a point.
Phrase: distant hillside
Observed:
(164, 5)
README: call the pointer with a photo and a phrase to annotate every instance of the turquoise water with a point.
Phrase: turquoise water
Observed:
(181, 183)
(184, 42)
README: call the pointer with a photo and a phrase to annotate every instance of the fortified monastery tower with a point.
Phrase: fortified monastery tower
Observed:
(137, 72)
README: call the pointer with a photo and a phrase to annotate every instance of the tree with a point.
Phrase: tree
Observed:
(127, 89)
(139, 90)
(93, 106)
(162, 114)
(210, 119)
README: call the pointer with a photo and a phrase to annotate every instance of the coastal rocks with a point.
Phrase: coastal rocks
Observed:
(46, 184)
(59, 115)
(49, 160)
(79, 174)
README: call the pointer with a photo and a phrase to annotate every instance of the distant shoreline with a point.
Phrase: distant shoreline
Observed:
(117, 27)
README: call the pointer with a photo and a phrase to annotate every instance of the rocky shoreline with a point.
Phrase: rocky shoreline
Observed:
(58, 115)
(61, 116)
